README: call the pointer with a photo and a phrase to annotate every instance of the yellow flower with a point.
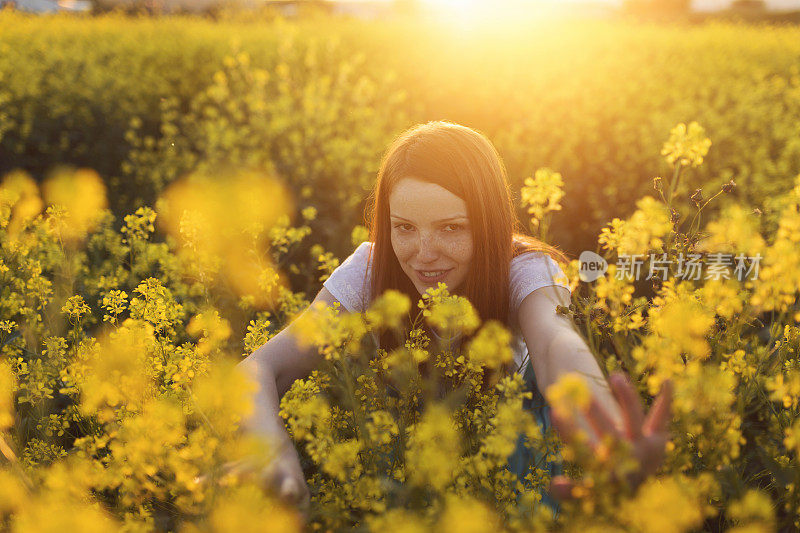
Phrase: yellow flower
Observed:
(115, 302)
(139, 225)
(490, 347)
(330, 331)
(82, 195)
(359, 235)
(467, 515)
(309, 213)
(381, 427)
(388, 310)
(735, 231)
(640, 233)
(433, 449)
(570, 392)
(75, 307)
(7, 388)
(248, 509)
(785, 389)
(779, 278)
(755, 509)
(53, 512)
(792, 436)
(686, 145)
(662, 505)
(542, 194)
(224, 217)
(342, 462)
(450, 314)
(214, 329)
(12, 492)
(398, 520)
(19, 202)
(114, 374)
(724, 297)
(684, 324)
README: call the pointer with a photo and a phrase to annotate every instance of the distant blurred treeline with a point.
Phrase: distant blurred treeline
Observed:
(315, 101)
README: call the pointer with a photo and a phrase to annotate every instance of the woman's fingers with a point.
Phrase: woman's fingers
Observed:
(660, 413)
(632, 409)
(601, 422)
(228, 469)
(566, 428)
(561, 488)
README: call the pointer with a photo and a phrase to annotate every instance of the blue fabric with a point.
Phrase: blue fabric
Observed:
(523, 460)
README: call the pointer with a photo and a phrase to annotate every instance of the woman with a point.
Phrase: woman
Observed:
(442, 212)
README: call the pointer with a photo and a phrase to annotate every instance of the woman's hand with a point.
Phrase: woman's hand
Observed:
(646, 435)
(282, 477)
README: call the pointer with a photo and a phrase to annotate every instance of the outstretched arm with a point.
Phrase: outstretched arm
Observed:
(274, 367)
(614, 411)
(556, 348)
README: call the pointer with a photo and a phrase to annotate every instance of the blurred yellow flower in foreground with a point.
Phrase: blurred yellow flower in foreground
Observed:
(467, 515)
(221, 222)
(570, 392)
(654, 507)
(82, 196)
(19, 202)
(6, 397)
(491, 346)
(433, 449)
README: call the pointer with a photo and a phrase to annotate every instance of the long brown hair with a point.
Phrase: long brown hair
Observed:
(463, 161)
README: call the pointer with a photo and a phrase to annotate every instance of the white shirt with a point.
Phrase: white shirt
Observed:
(350, 285)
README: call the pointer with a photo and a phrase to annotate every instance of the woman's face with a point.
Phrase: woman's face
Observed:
(431, 234)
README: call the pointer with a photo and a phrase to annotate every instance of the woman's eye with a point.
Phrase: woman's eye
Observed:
(452, 227)
(404, 226)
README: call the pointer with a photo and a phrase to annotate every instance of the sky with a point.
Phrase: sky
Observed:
(711, 5)
(700, 5)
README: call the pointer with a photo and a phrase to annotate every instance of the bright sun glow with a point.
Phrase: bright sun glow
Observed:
(466, 14)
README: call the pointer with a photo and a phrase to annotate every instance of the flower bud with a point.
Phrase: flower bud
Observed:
(697, 197)
(657, 184)
(729, 187)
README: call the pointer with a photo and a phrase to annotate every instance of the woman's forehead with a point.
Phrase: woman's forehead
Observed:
(414, 199)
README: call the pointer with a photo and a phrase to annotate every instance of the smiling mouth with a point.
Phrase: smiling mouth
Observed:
(432, 275)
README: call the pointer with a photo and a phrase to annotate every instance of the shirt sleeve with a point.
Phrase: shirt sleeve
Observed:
(349, 282)
(531, 271)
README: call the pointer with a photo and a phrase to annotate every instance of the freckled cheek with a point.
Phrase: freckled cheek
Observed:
(403, 247)
(460, 249)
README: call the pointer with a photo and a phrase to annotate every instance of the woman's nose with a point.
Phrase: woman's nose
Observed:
(427, 250)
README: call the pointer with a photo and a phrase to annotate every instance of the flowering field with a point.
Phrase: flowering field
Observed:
(217, 177)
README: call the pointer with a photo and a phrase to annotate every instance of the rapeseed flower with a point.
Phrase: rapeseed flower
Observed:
(642, 232)
(569, 393)
(433, 450)
(542, 194)
(7, 388)
(490, 347)
(656, 505)
(82, 196)
(20, 203)
(687, 145)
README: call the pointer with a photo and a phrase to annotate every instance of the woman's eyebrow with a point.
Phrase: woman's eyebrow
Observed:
(435, 221)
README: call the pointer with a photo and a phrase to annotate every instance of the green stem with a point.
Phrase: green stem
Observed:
(699, 210)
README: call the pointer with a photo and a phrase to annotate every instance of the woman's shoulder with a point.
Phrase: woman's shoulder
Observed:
(533, 270)
(348, 283)
(535, 264)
